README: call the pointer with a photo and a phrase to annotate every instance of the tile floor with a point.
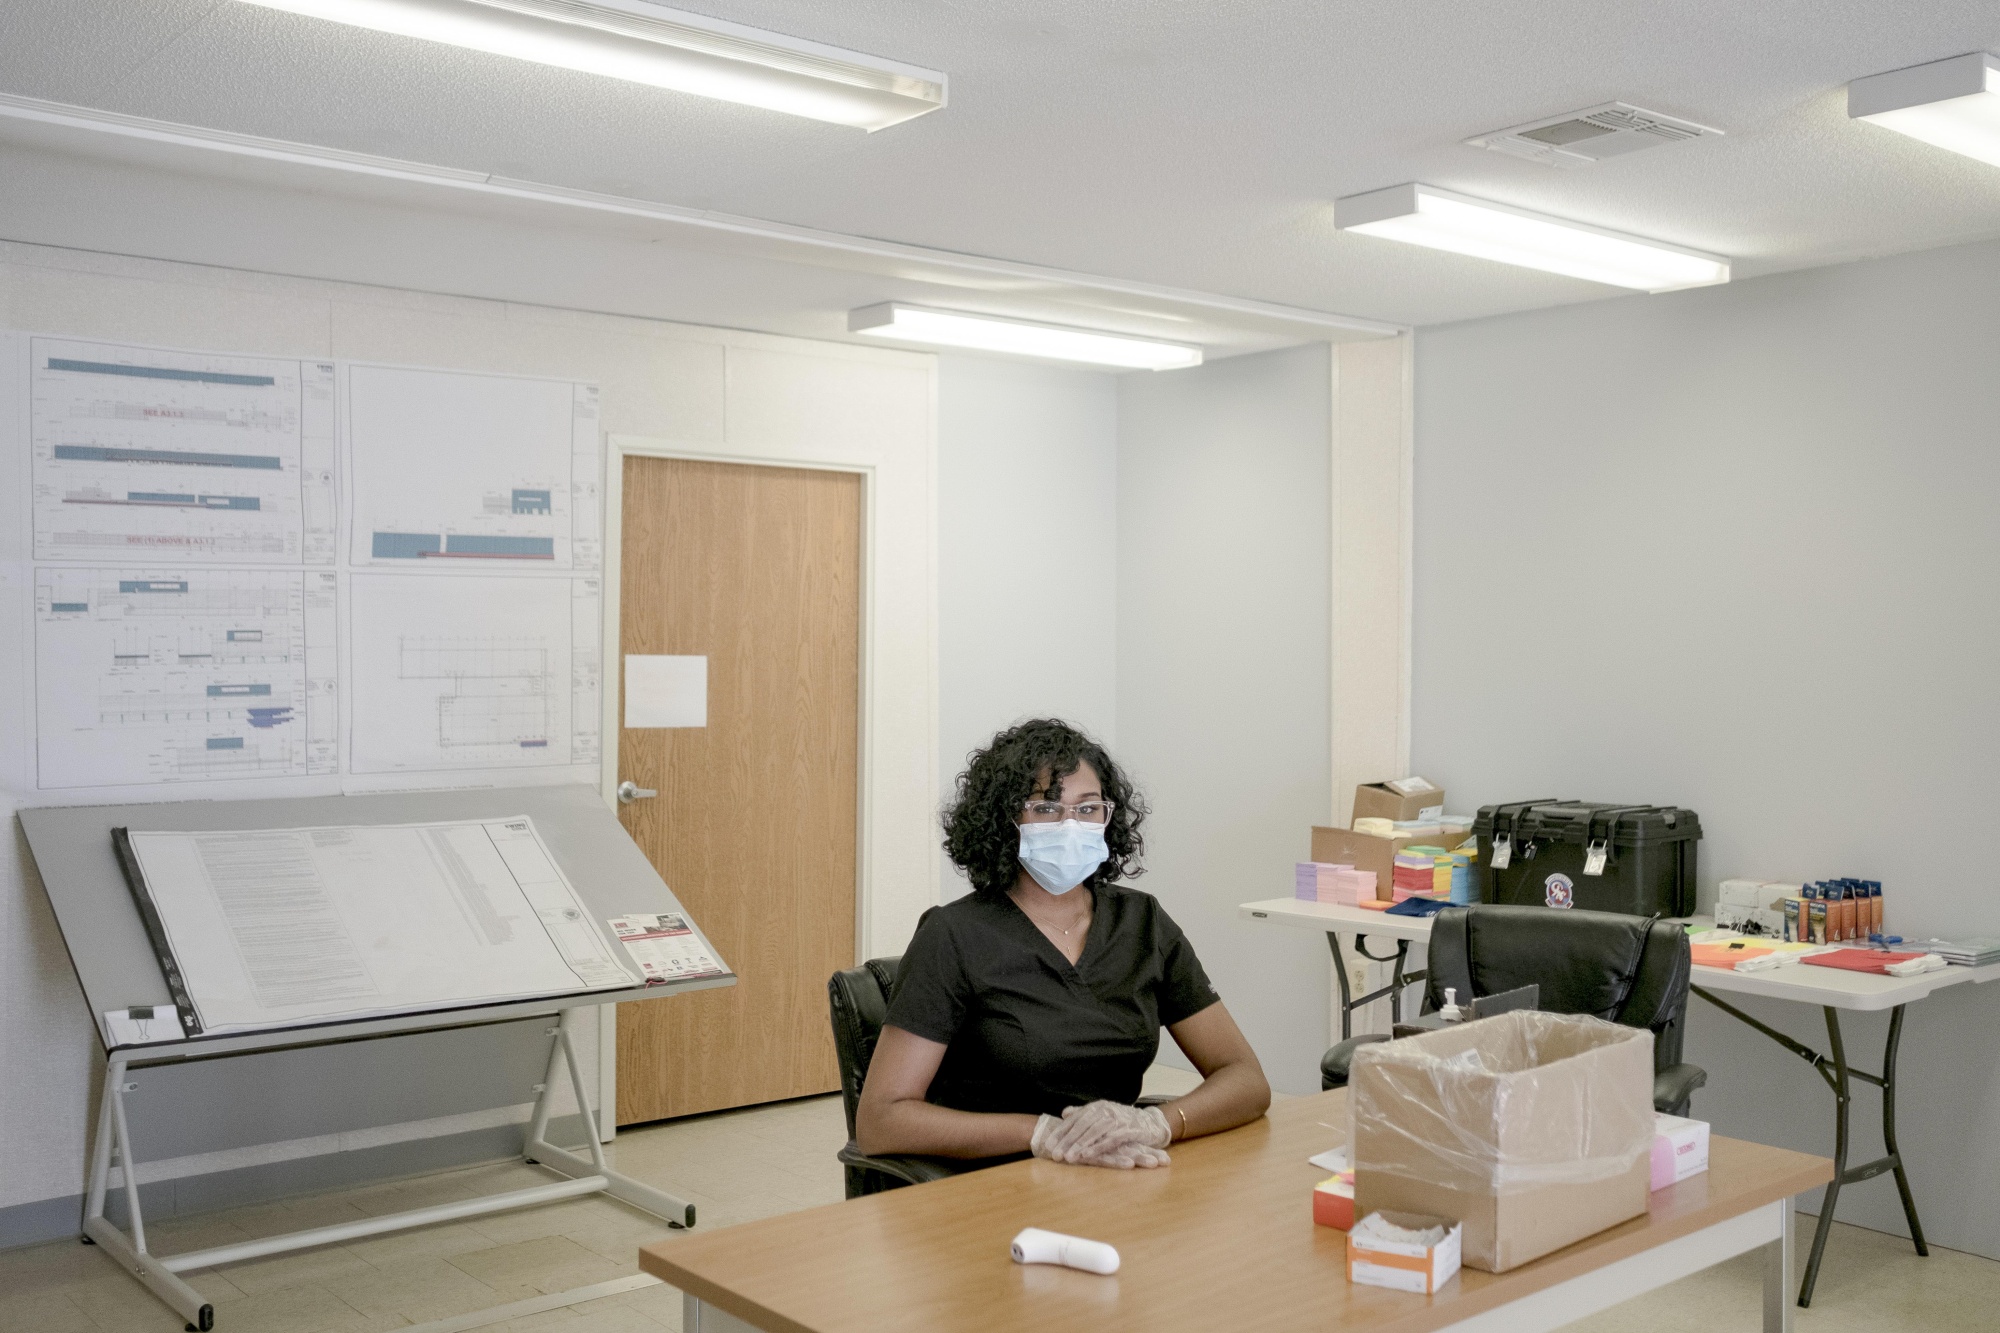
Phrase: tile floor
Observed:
(741, 1165)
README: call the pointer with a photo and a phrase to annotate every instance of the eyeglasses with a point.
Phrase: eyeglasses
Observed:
(1054, 812)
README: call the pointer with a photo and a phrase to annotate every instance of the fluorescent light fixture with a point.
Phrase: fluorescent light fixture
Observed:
(1951, 103)
(990, 333)
(647, 43)
(1424, 215)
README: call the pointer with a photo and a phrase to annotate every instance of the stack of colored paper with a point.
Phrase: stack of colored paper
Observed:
(1416, 873)
(1317, 881)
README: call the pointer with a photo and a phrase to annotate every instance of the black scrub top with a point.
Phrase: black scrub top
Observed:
(1026, 1031)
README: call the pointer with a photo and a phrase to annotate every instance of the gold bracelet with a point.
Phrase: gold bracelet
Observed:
(1183, 1115)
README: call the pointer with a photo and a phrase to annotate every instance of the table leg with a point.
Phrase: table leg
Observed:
(1778, 1274)
(698, 1316)
(1397, 980)
(1889, 1128)
(1840, 1079)
(1340, 975)
(1842, 1100)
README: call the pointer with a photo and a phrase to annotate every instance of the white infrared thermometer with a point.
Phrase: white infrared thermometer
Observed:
(1036, 1246)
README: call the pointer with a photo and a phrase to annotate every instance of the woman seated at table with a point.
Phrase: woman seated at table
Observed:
(1027, 1012)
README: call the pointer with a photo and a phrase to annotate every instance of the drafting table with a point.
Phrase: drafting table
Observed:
(1832, 989)
(118, 968)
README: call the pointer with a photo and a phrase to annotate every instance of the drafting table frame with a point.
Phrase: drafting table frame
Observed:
(1832, 989)
(117, 968)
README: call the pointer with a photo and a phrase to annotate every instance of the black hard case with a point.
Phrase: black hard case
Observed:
(1648, 856)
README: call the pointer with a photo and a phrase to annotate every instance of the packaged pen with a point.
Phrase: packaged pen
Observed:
(1815, 910)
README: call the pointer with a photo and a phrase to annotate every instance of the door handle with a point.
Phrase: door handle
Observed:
(629, 791)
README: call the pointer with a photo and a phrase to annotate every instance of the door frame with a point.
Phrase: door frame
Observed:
(875, 629)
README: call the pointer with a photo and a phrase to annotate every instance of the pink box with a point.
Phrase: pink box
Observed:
(1680, 1149)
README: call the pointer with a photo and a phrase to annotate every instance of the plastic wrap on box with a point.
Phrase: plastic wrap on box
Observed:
(1533, 1129)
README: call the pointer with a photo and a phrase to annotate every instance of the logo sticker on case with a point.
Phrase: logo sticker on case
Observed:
(1559, 891)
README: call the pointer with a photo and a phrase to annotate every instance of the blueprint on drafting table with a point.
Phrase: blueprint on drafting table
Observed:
(267, 928)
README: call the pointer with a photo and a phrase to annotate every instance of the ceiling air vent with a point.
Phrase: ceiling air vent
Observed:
(1583, 137)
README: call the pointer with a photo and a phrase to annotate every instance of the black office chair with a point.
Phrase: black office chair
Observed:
(859, 999)
(1626, 969)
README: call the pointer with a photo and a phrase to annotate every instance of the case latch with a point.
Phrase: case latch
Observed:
(1503, 851)
(1594, 856)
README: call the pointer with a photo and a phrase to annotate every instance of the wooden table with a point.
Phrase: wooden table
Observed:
(1832, 989)
(1223, 1238)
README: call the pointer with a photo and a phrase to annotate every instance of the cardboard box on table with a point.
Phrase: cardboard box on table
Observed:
(1542, 1138)
(1378, 800)
(1365, 851)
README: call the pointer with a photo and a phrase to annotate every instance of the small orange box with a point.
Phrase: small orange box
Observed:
(1333, 1201)
(1405, 1267)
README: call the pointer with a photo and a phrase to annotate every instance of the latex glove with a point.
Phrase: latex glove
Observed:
(1118, 1154)
(1041, 1145)
(1101, 1128)
(1126, 1157)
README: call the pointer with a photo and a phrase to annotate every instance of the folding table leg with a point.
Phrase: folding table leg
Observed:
(1889, 1128)
(1840, 1077)
(1340, 975)
(1842, 1104)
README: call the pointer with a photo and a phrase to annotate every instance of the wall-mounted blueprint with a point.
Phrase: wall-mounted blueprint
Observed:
(454, 673)
(183, 674)
(472, 472)
(247, 569)
(187, 456)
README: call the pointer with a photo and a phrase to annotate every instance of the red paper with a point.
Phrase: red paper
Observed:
(1859, 960)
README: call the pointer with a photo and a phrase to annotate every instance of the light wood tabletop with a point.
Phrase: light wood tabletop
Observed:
(1222, 1238)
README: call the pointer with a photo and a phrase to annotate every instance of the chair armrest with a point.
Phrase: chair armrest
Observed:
(1333, 1065)
(1673, 1086)
(910, 1167)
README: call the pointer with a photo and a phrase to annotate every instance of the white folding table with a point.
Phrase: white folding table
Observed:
(1831, 989)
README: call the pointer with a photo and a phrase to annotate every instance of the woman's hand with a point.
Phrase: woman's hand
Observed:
(1099, 1132)
(1087, 1136)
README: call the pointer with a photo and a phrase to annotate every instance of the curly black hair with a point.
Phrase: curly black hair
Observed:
(982, 824)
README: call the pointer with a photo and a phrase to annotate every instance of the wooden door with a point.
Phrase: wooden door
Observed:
(759, 570)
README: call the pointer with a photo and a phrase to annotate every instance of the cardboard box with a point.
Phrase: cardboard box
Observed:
(1548, 1140)
(1680, 1149)
(1365, 851)
(1333, 1201)
(1378, 800)
(1411, 1268)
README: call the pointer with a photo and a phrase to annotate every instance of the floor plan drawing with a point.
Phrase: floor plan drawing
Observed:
(454, 672)
(180, 455)
(177, 675)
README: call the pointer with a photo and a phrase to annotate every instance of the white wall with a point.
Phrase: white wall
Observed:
(1027, 554)
(1223, 641)
(1735, 549)
(706, 389)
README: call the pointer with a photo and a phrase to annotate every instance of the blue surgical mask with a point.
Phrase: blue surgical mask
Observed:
(1062, 856)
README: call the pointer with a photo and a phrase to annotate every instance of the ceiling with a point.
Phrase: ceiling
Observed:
(1186, 144)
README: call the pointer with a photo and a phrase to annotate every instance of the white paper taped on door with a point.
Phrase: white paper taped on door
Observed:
(665, 691)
